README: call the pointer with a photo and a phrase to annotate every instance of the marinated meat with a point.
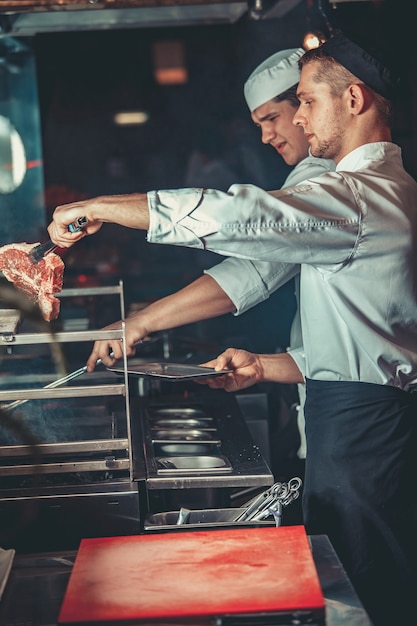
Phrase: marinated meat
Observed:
(39, 281)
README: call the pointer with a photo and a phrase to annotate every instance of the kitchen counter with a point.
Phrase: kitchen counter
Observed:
(37, 584)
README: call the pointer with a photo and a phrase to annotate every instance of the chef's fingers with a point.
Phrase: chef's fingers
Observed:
(245, 366)
(64, 217)
(108, 352)
(222, 362)
(226, 382)
(215, 382)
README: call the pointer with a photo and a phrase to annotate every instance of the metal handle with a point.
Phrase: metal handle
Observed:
(38, 252)
(55, 383)
(78, 225)
(72, 375)
(271, 501)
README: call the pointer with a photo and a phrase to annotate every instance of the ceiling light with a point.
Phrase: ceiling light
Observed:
(169, 66)
(131, 118)
(313, 39)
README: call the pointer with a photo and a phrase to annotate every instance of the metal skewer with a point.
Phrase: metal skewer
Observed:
(72, 375)
(55, 383)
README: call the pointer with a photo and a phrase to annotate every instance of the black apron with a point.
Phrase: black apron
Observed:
(360, 487)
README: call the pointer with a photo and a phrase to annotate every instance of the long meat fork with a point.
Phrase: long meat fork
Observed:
(55, 383)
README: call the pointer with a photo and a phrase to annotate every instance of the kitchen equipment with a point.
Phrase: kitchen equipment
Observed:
(38, 252)
(181, 434)
(93, 469)
(271, 501)
(200, 519)
(205, 576)
(10, 320)
(66, 459)
(171, 371)
(68, 378)
(6, 562)
(192, 463)
(202, 425)
(214, 452)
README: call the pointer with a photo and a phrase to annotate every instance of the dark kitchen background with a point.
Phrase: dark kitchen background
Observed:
(198, 133)
(66, 76)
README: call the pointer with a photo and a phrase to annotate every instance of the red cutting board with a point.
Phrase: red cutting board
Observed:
(192, 575)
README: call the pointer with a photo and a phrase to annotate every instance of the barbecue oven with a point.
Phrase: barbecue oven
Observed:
(196, 451)
(96, 456)
(66, 451)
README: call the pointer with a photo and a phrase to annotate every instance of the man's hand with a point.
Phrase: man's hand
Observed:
(250, 369)
(247, 368)
(68, 214)
(135, 332)
(130, 210)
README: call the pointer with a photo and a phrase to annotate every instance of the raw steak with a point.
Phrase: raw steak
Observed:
(39, 281)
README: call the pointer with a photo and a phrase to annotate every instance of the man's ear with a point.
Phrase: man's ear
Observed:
(357, 98)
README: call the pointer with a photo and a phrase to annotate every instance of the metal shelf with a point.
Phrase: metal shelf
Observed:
(105, 389)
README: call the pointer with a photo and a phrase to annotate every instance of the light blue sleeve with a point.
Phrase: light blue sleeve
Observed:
(247, 283)
(298, 355)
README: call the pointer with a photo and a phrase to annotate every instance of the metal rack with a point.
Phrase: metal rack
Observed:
(91, 455)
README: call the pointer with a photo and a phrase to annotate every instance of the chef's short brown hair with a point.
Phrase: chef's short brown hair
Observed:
(339, 78)
(290, 95)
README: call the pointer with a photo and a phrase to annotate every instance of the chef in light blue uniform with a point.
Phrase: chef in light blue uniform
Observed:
(354, 232)
(270, 93)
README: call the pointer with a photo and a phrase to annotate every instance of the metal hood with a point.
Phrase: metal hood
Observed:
(29, 17)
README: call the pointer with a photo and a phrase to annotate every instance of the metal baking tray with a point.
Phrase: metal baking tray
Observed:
(185, 448)
(182, 434)
(170, 371)
(184, 423)
(181, 464)
(178, 411)
(200, 519)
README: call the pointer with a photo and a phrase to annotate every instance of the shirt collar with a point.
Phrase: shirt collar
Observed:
(376, 151)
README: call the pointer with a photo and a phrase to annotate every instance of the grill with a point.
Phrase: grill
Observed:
(95, 457)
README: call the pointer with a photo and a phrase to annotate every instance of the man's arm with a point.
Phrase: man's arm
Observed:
(248, 283)
(201, 299)
(130, 210)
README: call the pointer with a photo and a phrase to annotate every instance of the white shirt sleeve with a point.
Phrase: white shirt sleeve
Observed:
(247, 283)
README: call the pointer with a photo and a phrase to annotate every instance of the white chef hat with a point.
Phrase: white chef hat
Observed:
(275, 75)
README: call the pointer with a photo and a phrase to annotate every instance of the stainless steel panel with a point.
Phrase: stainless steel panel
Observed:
(192, 464)
(183, 434)
(186, 448)
(199, 519)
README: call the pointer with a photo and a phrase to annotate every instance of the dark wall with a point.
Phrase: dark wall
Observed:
(85, 77)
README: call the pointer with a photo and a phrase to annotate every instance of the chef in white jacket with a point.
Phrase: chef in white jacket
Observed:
(238, 284)
(354, 233)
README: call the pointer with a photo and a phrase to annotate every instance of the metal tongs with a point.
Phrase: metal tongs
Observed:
(56, 383)
(38, 252)
(270, 502)
(66, 379)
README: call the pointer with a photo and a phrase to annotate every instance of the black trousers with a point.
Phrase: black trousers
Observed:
(360, 489)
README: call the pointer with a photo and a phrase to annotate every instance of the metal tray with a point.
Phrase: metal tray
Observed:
(182, 434)
(200, 519)
(178, 411)
(185, 448)
(170, 371)
(185, 423)
(191, 464)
